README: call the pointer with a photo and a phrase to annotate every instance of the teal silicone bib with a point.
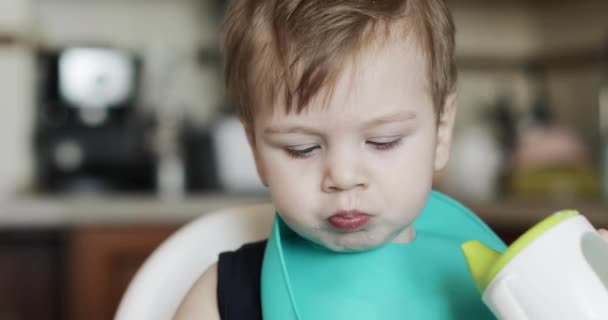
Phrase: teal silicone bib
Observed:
(424, 279)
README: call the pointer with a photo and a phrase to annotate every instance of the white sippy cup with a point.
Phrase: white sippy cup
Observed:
(556, 270)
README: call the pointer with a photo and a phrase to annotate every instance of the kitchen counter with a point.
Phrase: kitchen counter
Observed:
(519, 214)
(34, 212)
(146, 209)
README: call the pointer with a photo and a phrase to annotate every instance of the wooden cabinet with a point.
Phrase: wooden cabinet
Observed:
(102, 261)
(31, 276)
(77, 273)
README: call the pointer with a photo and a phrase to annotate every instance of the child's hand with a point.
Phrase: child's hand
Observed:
(604, 233)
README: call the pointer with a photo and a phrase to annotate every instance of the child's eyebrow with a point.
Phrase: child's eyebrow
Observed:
(293, 129)
(395, 117)
(401, 116)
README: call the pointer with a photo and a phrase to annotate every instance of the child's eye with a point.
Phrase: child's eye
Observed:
(388, 145)
(300, 153)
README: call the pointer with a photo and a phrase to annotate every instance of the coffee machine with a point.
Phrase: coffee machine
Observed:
(90, 135)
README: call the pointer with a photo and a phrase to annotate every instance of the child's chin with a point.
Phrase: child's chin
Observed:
(351, 244)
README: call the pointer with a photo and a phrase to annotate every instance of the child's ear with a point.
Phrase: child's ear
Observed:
(250, 134)
(445, 128)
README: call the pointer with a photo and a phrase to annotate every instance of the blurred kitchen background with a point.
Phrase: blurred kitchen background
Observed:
(115, 131)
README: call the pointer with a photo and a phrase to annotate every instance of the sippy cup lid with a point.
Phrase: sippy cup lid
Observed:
(524, 240)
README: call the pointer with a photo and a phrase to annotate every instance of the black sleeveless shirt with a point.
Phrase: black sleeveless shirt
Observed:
(238, 282)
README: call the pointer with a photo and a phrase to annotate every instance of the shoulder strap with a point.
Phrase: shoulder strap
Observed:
(238, 282)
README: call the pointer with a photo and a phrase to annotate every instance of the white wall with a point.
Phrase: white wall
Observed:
(15, 16)
(16, 105)
(16, 116)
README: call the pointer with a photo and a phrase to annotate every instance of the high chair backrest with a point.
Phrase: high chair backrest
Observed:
(162, 281)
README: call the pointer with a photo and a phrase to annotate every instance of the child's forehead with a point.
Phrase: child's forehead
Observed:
(385, 73)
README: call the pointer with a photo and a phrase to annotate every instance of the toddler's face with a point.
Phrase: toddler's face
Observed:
(355, 174)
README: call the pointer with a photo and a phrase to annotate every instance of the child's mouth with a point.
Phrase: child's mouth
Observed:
(348, 221)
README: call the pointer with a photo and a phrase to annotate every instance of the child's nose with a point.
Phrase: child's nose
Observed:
(343, 173)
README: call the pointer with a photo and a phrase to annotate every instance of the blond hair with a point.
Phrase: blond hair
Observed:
(291, 49)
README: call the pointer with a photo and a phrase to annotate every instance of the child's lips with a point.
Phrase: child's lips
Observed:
(348, 221)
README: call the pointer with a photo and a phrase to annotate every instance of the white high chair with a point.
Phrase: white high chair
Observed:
(163, 280)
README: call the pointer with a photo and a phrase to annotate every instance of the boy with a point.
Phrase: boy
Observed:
(348, 106)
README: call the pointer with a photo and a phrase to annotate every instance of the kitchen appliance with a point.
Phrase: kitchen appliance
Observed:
(90, 134)
(234, 162)
(218, 158)
(556, 270)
